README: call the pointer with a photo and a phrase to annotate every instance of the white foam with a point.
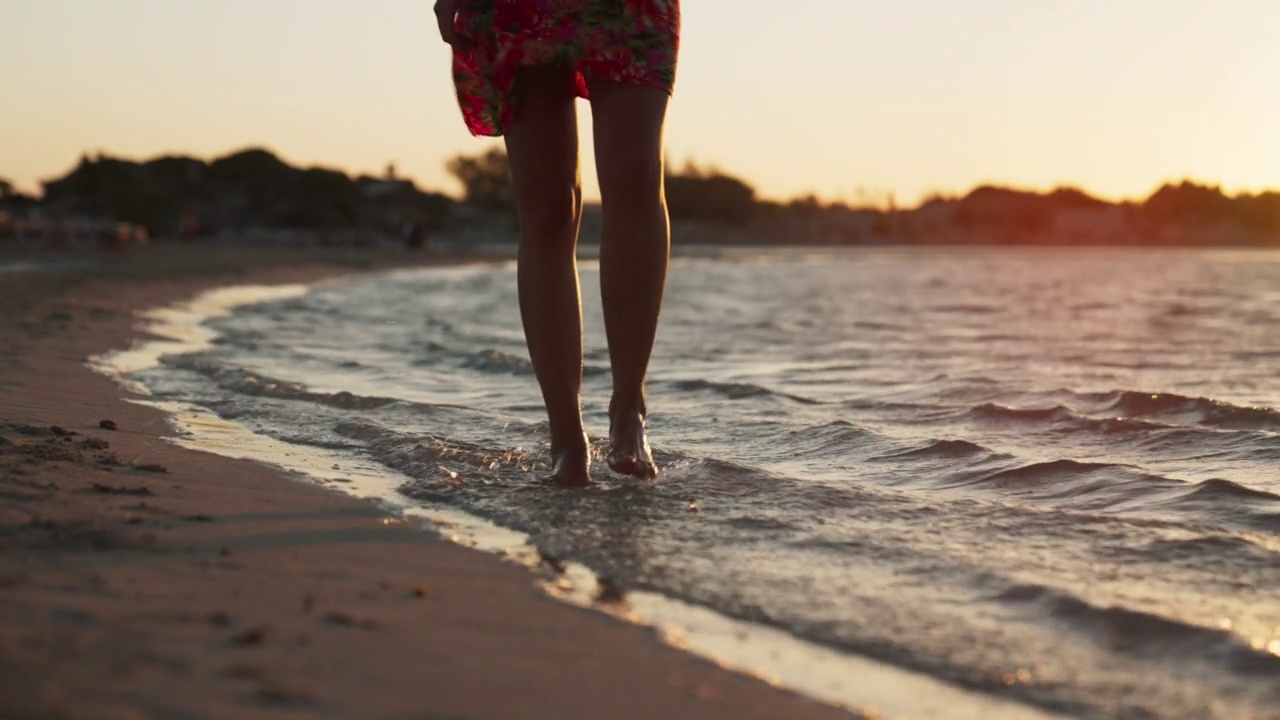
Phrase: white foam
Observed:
(181, 328)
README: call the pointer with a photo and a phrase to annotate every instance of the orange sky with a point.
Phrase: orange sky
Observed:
(844, 98)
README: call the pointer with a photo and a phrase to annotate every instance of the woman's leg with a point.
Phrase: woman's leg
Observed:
(634, 252)
(542, 147)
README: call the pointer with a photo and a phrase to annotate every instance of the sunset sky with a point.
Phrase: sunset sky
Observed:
(845, 98)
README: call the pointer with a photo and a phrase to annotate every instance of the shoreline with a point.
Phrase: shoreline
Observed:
(381, 572)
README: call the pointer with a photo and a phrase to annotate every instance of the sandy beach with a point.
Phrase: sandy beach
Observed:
(139, 579)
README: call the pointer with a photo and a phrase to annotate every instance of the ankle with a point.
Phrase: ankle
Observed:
(569, 440)
(627, 405)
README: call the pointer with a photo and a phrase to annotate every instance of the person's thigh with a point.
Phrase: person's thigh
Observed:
(628, 123)
(542, 145)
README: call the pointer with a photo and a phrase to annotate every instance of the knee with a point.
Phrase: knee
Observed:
(629, 174)
(553, 219)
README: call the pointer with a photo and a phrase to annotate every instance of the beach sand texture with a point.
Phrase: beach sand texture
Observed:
(139, 579)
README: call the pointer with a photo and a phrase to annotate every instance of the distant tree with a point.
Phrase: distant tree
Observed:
(431, 209)
(709, 195)
(256, 172)
(176, 172)
(485, 179)
(320, 198)
(936, 198)
(249, 164)
(805, 205)
(12, 198)
(1012, 211)
(246, 189)
(1187, 204)
(1074, 199)
(1259, 213)
(769, 209)
(183, 180)
(114, 188)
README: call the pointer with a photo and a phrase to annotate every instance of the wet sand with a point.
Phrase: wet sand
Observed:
(140, 579)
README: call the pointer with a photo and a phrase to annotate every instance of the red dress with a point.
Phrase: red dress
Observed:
(627, 41)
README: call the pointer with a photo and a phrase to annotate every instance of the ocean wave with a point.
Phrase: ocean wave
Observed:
(1204, 443)
(1230, 503)
(1208, 546)
(1141, 634)
(735, 391)
(1114, 488)
(1050, 471)
(1181, 409)
(939, 449)
(1247, 562)
(496, 361)
(815, 442)
(251, 384)
(1217, 489)
(1063, 416)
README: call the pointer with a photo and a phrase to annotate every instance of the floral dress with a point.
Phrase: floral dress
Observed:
(627, 41)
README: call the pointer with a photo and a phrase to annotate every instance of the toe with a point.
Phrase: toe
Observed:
(630, 464)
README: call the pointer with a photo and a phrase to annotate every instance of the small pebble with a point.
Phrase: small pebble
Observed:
(108, 425)
(252, 636)
(345, 620)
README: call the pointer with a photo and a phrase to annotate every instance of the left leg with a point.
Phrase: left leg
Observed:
(634, 252)
(542, 147)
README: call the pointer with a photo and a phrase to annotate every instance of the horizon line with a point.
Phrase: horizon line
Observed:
(878, 198)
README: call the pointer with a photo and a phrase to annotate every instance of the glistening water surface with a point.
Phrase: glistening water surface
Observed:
(1050, 475)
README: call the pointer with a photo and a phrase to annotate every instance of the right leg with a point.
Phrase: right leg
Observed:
(542, 147)
(634, 249)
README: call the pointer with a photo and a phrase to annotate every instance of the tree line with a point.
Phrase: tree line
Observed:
(254, 188)
(709, 195)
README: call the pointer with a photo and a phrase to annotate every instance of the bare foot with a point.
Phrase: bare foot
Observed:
(629, 452)
(571, 464)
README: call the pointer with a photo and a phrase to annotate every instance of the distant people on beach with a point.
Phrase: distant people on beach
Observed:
(414, 235)
(518, 67)
(44, 230)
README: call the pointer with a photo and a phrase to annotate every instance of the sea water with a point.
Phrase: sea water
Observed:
(1050, 475)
